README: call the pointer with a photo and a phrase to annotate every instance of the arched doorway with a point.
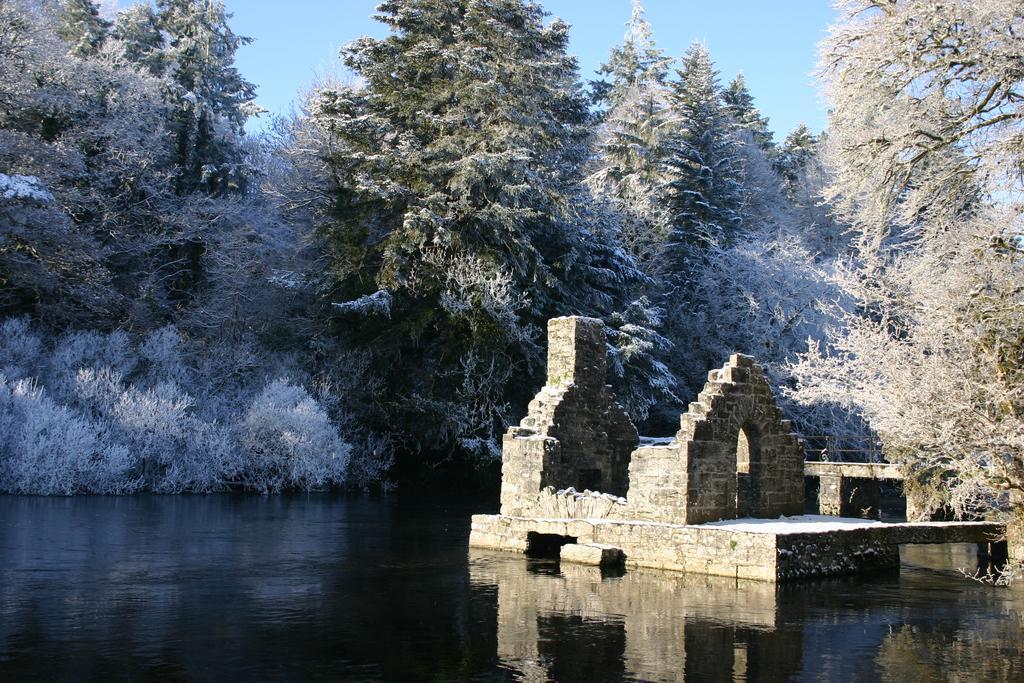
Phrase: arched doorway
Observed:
(748, 471)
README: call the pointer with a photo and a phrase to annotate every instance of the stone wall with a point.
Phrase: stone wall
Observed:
(701, 550)
(696, 479)
(574, 434)
(844, 496)
(738, 553)
(857, 551)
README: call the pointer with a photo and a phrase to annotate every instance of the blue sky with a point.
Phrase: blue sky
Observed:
(773, 43)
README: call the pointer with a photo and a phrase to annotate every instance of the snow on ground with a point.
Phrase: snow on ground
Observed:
(807, 524)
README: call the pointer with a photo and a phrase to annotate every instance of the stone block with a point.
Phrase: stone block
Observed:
(597, 554)
(849, 497)
(736, 374)
(741, 360)
(577, 352)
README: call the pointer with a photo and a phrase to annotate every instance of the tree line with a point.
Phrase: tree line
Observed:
(375, 272)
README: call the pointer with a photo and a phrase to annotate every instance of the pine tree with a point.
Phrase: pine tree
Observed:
(705, 171)
(632, 67)
(458, 222)
(82, 27)
(630, 147)
(739, 103)
(705, 199)
(213, 100)
(798, 149)
(137, 30)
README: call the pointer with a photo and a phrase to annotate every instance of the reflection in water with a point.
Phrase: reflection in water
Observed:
(646, 624)
(358, 589)
(927, 624)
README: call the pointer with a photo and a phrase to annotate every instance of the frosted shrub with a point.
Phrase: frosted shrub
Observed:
(188, 453)
(289, 441)
(163, 350)
(178, 451)
(47, 448)
(19, 348)
(167, 414)
(90, 349)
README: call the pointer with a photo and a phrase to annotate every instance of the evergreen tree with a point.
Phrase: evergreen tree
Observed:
(705, 199)
(739, 103)
(630, 146)
(458, 222)
(705, 170)
(798, 150)
(82, 27)
(141, 43)
(213, 100)
(632, 67)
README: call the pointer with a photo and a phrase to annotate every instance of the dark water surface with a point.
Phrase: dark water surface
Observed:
(347, 588)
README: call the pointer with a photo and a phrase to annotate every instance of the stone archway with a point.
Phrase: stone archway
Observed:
(697, 478)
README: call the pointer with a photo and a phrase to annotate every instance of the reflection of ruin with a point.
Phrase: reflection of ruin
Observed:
(647, 626)
(576, 479)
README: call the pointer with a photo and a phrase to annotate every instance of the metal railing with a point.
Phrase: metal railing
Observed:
(841, 447)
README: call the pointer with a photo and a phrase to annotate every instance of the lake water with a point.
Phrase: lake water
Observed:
(356, 588)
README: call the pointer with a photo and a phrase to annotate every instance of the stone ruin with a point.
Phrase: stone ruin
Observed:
(577, 455)
(578, 481)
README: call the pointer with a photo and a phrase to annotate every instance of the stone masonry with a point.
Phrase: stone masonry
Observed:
(575, 435)
(733, 456)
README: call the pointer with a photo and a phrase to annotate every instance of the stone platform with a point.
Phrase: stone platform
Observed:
(775, 550)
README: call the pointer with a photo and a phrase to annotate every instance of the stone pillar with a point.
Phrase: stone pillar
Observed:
(577, 352)
(1015, 528)
(848, 496)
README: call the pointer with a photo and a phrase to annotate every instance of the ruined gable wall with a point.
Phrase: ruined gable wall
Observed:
(694, 479)
(574, 434)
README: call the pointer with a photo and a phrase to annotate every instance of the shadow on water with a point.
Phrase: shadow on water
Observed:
(350, 588)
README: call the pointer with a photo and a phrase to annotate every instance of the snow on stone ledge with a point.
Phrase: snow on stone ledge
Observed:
(378, 303)
(24, 188)
(656, 440)
(810, 524)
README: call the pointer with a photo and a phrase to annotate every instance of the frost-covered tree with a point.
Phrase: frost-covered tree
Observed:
(82, 129)
(212, 100)
(455, 220)
(925, 145)
(630, 150)
(704, 198)
(805, 179)
(82, 27)
(139, 40)
(798, 150)
(739, 103)
(705, 172)
(765, 206)
(927, 111)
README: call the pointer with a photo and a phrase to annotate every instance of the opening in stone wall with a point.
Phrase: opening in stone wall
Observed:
(589, 479)
(748, 457)
(546, 545)
(746, 449)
